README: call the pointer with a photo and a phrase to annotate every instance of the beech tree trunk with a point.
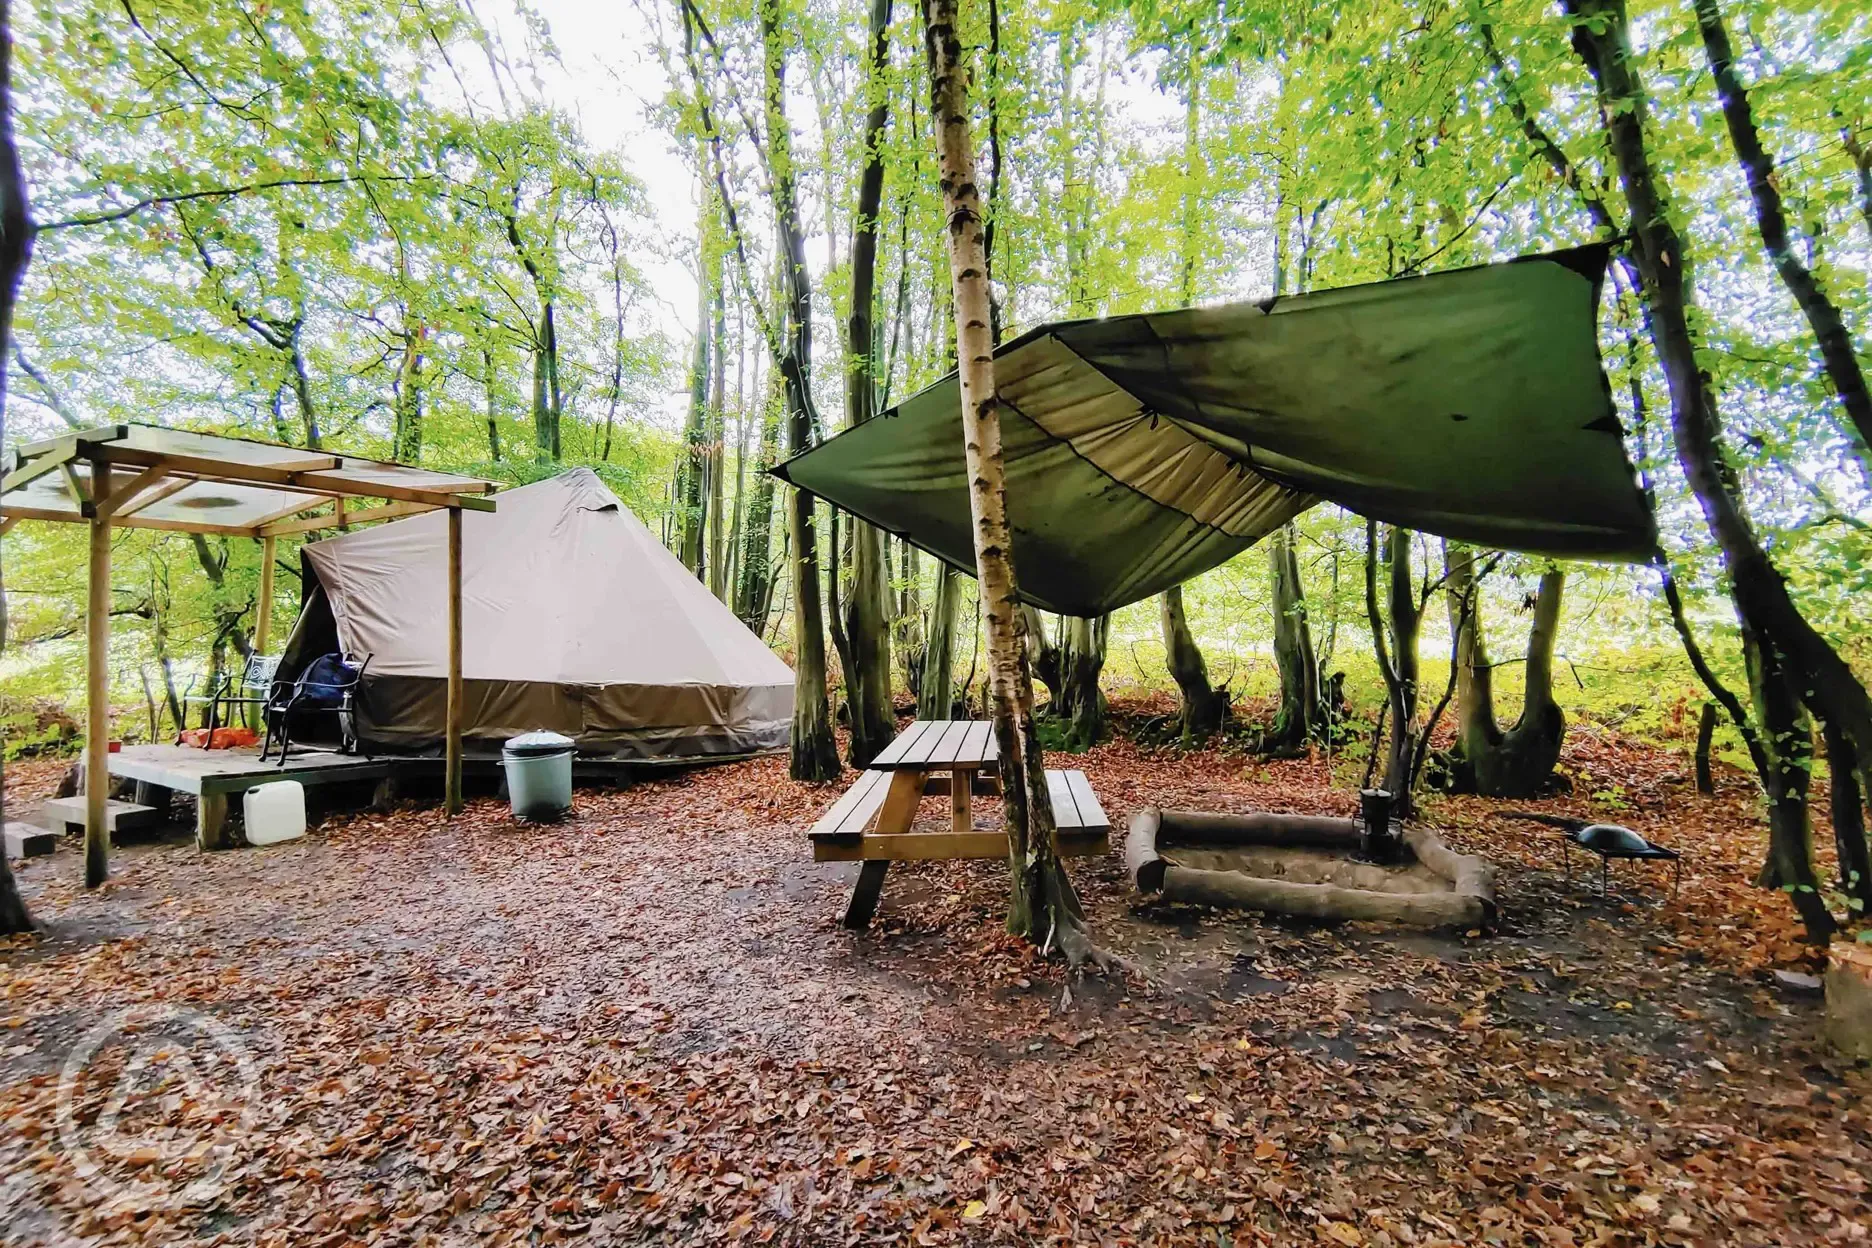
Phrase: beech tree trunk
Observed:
(1849, 828)
(407, 437)
(692, 467)
(1082, 661)
(1836, 345)
(1828, 685)
(717, 441)
(1043, 657)
(1302, 714)
(1519, 761)
(1043, 905)
(867, 628)
(1788, 738)
(815, 750)
(754, 589)
(548, 401)
(1202, 708)
(936, 687)
(15, 253)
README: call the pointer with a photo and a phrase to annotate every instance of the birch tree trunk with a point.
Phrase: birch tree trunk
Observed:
(1043, 905)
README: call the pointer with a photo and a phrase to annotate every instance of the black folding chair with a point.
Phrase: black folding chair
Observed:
(333, 685)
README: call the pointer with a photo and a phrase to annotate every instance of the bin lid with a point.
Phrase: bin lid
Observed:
(538, 745)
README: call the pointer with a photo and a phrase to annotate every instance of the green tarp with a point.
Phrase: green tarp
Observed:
(1142, 450)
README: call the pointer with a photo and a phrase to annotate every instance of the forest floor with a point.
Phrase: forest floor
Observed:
(645, 1025)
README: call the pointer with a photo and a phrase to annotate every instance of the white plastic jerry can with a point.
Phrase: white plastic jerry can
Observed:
(275, 812)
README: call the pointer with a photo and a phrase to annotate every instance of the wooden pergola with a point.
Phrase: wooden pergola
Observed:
(148, 477)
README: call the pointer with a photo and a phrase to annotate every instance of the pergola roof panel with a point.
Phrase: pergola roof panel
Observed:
(210, 483)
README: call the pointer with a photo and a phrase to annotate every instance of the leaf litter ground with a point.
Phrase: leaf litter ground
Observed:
(644, 1025)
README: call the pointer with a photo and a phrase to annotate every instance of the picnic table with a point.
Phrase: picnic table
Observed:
(872, 823)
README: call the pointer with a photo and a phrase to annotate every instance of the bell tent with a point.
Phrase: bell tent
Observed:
(574, 619)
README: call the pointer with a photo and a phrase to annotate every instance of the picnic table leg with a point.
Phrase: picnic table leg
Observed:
(865, 893)
(961, 818)
(894, 819)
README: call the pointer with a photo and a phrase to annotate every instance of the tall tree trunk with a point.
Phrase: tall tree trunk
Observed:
(1849, 828)
(694, 464)
(718, 445)
(1788, 737)
(755, 588)
(1836, 346)
(1043, 905)
(936, 689)
(1044, 658)
(406, 443)
(1517, 762)
(1302, 714)
(493, 410)
(1202, 708)
(867, 629)
(1394, 642)
(1829, 686)
(547, 400)
(909, 624)
(1082, 661)
(16, 235)
(815, 751)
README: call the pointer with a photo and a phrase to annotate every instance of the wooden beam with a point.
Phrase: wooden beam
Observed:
(448, 494)
(263, 625)
(80, 492)
(73, 440)
(7, 523)
(453, 747)
(307, 503)
(312, 524)
(174, 485)
(942, 846)
(27, 471)
(97, 690)
(126, 493)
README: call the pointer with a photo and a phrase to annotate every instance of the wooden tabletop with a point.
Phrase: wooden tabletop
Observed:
(941, 745)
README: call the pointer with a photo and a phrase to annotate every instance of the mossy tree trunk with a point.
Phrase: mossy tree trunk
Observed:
(1518, 761)
(1082, 661)
(867, 628)
(936, 686)
(1302, 714)
(1787, 736)
(1202, 708)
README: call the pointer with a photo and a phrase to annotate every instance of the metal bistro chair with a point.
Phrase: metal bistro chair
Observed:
(252, 688)
(331, 684)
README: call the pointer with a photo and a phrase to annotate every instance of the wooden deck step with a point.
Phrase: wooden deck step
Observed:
(67, 815)
(23, 840)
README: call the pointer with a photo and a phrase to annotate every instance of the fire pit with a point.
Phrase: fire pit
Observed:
(1313, 867)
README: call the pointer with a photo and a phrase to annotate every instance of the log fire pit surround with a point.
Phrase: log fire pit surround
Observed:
(1309, 866)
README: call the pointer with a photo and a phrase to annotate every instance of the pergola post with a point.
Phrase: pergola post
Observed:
(452, 748)
(97, 683)
(264, 624)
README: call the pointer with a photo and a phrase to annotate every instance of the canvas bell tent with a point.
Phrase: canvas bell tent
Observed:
(1141, 450)
(576, 619)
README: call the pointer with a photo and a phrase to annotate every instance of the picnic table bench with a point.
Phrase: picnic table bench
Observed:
(872, 822)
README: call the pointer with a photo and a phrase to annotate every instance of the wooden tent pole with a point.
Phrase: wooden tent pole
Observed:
(453, 748)
(263, 625)
(97, 686)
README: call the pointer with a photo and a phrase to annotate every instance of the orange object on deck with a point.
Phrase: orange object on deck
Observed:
(224, 738)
